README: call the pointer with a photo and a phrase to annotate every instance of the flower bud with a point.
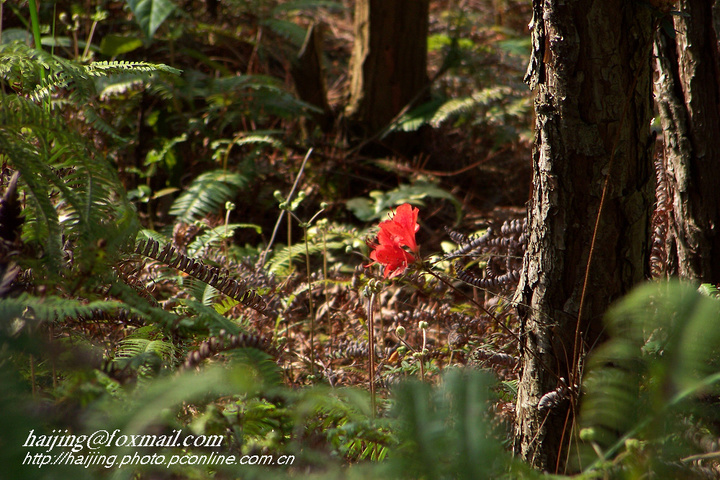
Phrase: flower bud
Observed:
(400, 331)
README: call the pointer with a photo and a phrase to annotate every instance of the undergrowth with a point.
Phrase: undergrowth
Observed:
(159, 275)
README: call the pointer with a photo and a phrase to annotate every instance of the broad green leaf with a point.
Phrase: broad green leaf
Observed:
(150, 14)
(112, 45)
(380, 203)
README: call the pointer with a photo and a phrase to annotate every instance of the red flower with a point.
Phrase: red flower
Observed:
(395, 259)
(401, 228)
(394, 234)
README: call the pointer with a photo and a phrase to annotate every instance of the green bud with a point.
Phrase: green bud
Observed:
(632, 444)
(423, 325)
(400, 331)
(587, 434)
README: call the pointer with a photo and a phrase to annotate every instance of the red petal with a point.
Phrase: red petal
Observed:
(395, 259)
(401, 229)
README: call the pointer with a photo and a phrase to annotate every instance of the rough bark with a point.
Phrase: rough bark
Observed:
(591, 67)
(389, 61)
(308, 76)
(687, 92)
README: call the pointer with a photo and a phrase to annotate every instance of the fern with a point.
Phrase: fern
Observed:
(134, 347)
(445, 431)
(21, 65)
(213, 276)
(79, 78)
(48, 309)
(234, 99)
(213, 237)
(344, 417)
(207, 194)
(221, 148)
(436, 112)
(658, 370)
(77, 207)
(287, 29)
(464, 105)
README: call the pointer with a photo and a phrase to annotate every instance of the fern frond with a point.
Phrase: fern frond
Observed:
(207, 319)
(79, 78)
(224, 342)
(52, 308)
(287, 29)
(211, 275)
(73, 191)
(225, 305)
(280, 259)
(134, 346)
(207, 194)
(213, 237)
(458, 106)
(446, 429)
(452, 107)
(418, 117)
(659, 367)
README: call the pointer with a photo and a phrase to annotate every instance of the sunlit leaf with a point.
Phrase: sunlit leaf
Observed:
(150, 14)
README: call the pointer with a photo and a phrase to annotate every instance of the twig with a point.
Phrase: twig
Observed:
(261, 261)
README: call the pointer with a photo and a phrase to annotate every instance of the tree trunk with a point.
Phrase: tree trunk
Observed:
(688, 98)
(389, 62)
(307, 73)
(591, 163)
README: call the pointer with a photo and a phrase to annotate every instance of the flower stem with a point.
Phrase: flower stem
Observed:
(310, 300)
(371, 350)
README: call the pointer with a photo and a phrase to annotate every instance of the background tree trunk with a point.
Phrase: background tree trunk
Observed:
(591, 67)
(688, 98)
(389, 61)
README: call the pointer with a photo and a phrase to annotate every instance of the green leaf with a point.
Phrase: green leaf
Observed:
(298, 5)
(112, 45)
(379, 206)
(150, 14)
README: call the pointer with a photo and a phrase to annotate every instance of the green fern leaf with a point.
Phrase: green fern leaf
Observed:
(660, 363)
(207, 194)
(49, 309)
